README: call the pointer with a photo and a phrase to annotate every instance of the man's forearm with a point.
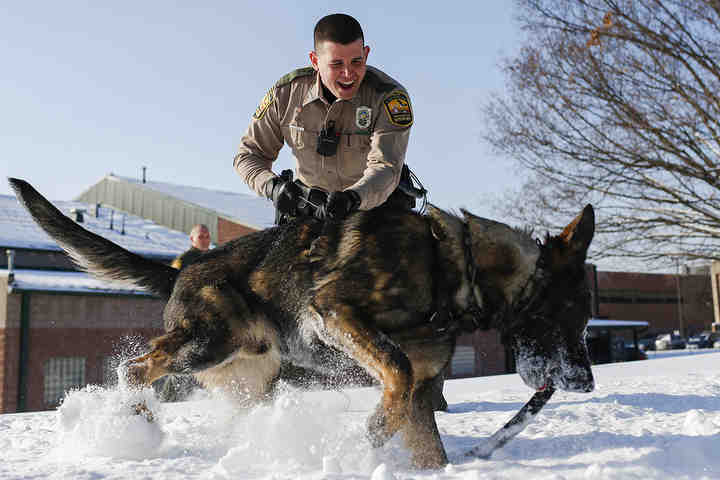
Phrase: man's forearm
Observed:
(254, 170)
(384, 167)
(377, 185)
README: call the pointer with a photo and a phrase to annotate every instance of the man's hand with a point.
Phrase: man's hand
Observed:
(341, 204)
(284, 195)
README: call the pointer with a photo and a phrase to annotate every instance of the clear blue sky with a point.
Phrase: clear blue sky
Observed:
(89, 88)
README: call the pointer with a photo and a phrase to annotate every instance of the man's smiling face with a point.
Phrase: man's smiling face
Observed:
(341, 67)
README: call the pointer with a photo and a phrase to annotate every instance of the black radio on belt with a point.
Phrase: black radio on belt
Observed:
(327, 140)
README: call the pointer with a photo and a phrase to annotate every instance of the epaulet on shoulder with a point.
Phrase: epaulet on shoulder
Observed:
(378, 83)
(300, 72)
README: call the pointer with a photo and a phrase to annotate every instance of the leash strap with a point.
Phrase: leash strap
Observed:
(443, 320)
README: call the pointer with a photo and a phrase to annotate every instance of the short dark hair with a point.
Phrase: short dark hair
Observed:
(338, 28)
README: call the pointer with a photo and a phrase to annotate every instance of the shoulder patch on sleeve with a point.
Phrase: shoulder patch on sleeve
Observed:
(265, 103)
(398, 109)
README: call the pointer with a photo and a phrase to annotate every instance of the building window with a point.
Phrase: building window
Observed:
(62, 374)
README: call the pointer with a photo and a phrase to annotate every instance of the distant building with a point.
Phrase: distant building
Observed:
(611, 341)
(228, 215)
(60, 328)
(478, 354)
(668, 302)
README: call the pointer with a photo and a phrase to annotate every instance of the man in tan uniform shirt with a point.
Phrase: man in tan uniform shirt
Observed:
(347, 124)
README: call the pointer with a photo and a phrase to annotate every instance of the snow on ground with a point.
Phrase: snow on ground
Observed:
(653, 419)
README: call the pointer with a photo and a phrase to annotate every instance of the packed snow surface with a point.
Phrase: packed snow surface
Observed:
(653, 419)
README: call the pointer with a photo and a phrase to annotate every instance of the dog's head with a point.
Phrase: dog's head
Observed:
(544, 291)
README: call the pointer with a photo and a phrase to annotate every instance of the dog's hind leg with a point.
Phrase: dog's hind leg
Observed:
(340, 326)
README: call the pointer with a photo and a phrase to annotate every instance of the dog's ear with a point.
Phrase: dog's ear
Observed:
(441, 222)
(576, 237)
(500, 248)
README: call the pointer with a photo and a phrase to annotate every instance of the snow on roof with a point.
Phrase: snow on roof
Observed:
(599, 322)
(59, 281)
(249, 210)
(144, 237)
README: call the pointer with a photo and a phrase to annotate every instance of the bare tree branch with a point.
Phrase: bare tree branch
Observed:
(617, 103)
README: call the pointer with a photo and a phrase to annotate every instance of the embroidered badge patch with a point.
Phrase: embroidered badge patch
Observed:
(363, 117)
(397, 106)
(267, 100)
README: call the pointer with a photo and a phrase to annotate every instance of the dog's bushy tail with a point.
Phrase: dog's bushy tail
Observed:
(93, 253)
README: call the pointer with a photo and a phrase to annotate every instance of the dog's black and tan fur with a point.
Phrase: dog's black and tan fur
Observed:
(355, 298)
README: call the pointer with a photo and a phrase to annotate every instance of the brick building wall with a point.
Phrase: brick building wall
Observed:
(490, 357)
(654, 298)
(63, 325)
(9, 348)
(95, 345)
(491, 353)
(228, 230)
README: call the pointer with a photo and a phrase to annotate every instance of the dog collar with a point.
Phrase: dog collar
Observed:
(474, 310)
(446, 320)
(534, 287)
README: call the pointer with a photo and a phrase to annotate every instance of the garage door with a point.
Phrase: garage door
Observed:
(463, 362)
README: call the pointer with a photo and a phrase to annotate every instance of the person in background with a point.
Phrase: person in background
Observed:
(199, 243)
(174, 388)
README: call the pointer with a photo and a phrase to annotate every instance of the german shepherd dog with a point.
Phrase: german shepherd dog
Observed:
(385, 292)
